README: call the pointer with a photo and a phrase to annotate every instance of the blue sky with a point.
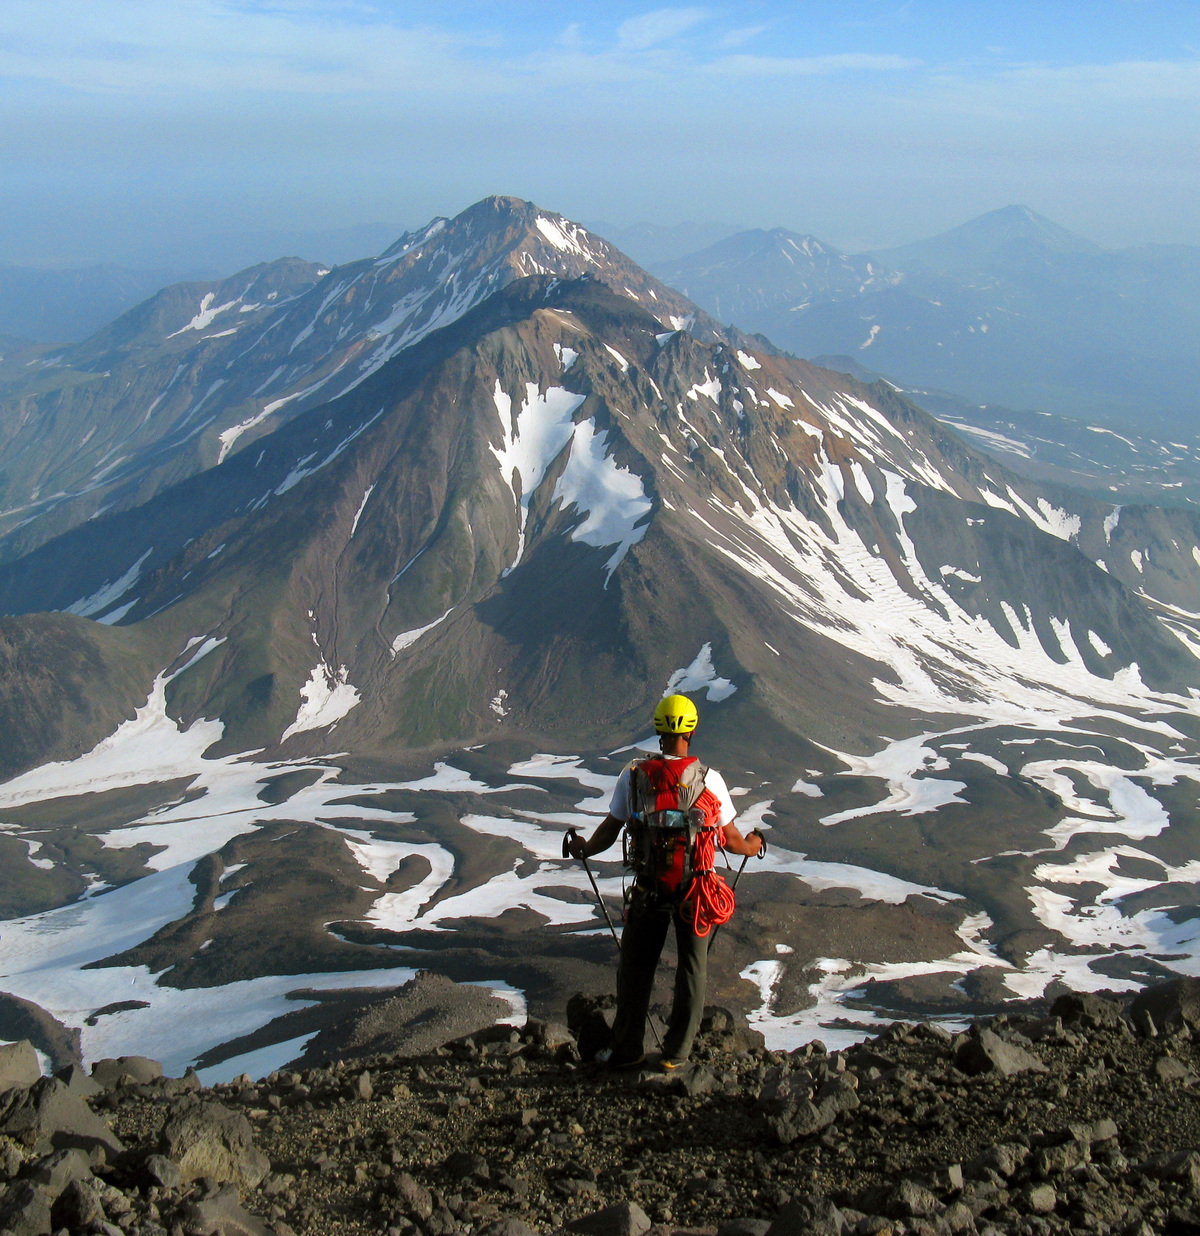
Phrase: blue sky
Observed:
(128, 127)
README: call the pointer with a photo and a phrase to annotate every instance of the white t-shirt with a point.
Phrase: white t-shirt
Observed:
(621, 807)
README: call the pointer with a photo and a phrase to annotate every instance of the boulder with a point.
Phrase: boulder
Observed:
(1173, 1071)
(783, 1088)
(1004, 1159)
(77, 1081)
(510, 1226)
(415, 1196)
(78, 1206)
(1086, 1010)
(1174, 1005)
(463, 1164)
(162, 1171)
(809, 1215)
(1039, 1199)
(25, 1211)
(138, 1069)
(724, 1030)
(744, 1227)
(57, 1170)
(211, 1140)
(910, 1200)
(49, 1109)
(19, 1066)
(623, 1219)
(590, 1020)
(1183, 1165)
(1055, 1160)
(986, 1052)
(221, 1214)
(549, 1034)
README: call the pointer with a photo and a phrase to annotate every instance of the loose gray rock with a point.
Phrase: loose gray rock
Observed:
(18, 1065)
(57, 1170)
(139, 1069)
(910, 1200)
(986, 1052)
(1168, 1069)
(783, 1088)
(49, 1109)
(26, 1211)
(510, 1226)
(415, 1196)
(1082, 1008)
(549, 1034)
(1004, 1159)
(77, 1081)
(462, 1164)
(1039, 1199)
(1055, 1160)
(623, 1219)
(211, 1140)
(958, 1218)
(808, 1216)
(163, 1172)
(1182, 1165)
(590, 1020)
(744, 1227)
(78, 1206)
(221, 1215)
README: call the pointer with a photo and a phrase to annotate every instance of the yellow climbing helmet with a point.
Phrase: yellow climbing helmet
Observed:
(675, 715)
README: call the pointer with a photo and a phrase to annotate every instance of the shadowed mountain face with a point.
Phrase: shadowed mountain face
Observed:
(1009, 309)
(389, 653)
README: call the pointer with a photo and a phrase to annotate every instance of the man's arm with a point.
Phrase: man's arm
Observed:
(608, 831)
(748, 846)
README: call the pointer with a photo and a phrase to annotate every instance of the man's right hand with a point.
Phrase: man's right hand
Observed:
(576, 846)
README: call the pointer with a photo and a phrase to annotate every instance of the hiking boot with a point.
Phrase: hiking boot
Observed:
(669, 1064)
(607, 1057)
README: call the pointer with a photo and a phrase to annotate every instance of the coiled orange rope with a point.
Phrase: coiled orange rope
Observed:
(709, 902)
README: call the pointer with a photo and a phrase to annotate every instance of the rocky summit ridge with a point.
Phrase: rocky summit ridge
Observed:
(1080, 1116)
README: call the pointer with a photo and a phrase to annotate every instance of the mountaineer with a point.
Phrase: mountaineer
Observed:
(676, 812)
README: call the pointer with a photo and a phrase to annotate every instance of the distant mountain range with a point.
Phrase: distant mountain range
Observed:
(332, 597)
(1008, 309)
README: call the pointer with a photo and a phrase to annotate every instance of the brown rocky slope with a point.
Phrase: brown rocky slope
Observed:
(1077, 1117)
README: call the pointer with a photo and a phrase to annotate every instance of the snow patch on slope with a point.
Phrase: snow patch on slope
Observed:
(325, 699)
(612, 497)
(700, 675)
(533, 439)
(107, 594)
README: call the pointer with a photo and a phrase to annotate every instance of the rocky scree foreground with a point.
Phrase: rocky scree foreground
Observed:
(1079, 1116)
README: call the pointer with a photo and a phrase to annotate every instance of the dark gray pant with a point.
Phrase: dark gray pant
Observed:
(641, 946)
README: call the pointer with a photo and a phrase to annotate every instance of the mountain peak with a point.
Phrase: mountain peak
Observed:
(979, 240)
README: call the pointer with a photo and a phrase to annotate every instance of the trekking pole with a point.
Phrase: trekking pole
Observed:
(736, 878)
(566, 853)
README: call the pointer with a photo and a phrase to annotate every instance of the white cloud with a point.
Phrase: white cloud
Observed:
(810, 66)
(739, 37)
(651, 29)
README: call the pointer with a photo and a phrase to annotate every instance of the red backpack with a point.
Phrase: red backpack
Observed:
(673, 836)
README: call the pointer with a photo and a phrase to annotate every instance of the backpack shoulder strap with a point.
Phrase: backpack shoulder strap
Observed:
(691, 784)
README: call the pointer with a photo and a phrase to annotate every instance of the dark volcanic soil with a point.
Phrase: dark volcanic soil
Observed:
(1089, 1135)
